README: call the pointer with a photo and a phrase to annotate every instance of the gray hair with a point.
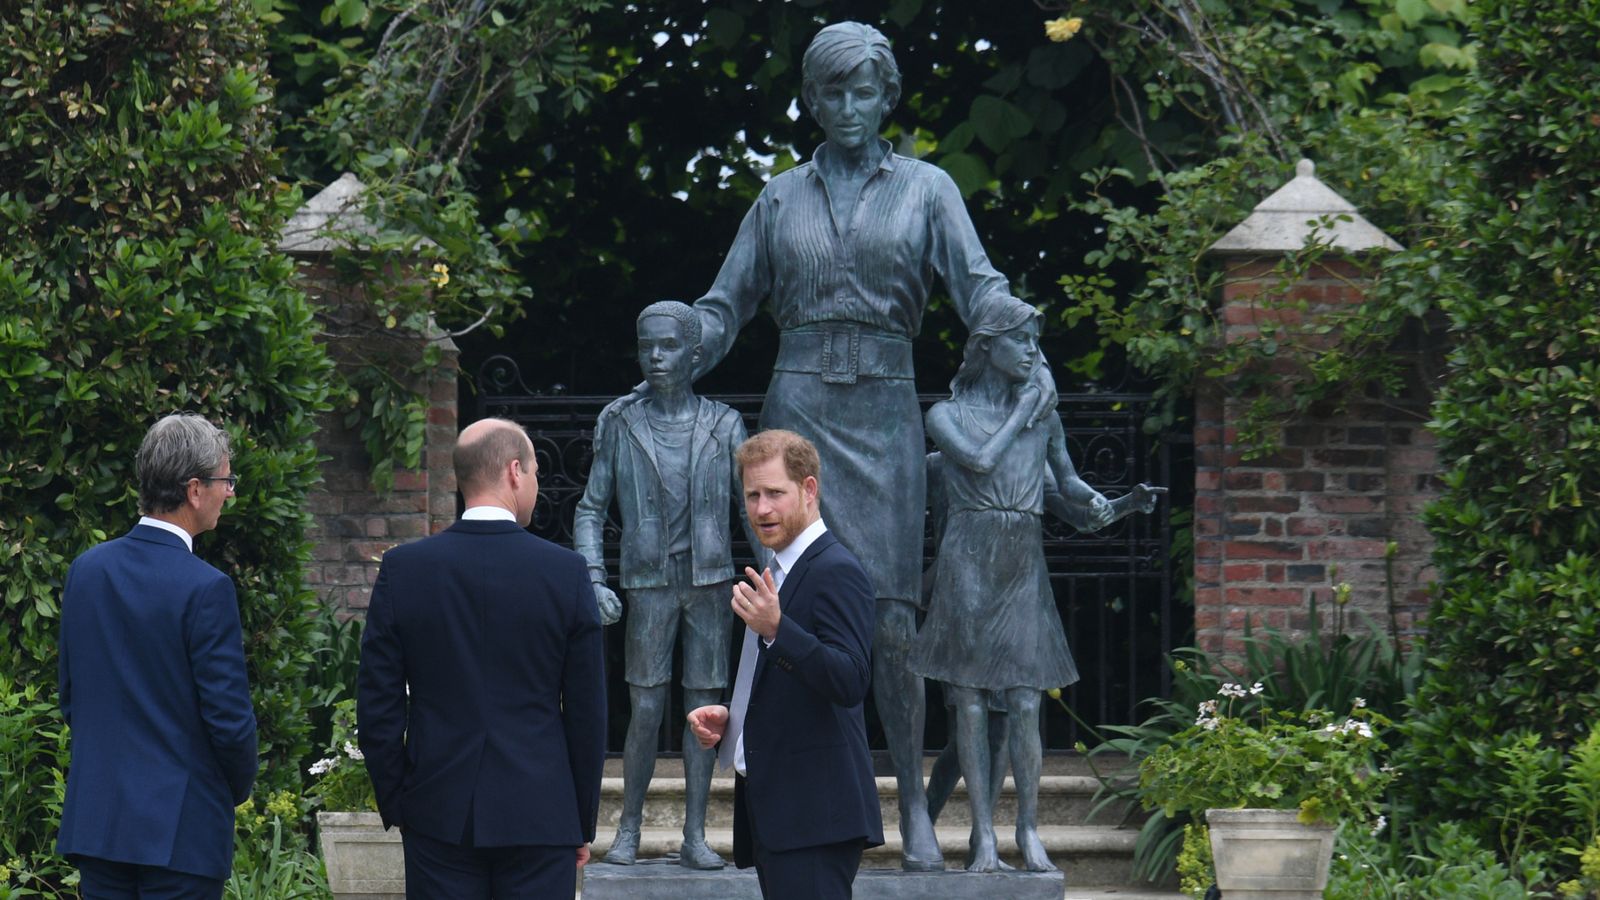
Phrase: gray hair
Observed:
(177, 448)
(683, 312)
(837, 50)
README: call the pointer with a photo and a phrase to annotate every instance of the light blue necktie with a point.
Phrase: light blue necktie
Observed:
(729, 751)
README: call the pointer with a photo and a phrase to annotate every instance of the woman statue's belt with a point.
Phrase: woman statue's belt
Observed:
(842, 352)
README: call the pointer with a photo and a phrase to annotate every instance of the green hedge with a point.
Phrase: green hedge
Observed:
(138, 210)
(1514, 633)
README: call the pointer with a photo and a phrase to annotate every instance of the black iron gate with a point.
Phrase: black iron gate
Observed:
(1114, 588)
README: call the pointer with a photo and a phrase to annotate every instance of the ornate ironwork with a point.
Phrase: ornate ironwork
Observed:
(1114, 588)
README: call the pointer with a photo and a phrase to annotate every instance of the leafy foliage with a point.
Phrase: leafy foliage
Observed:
(270, 859)
(1255, 757)
(138, 208)
(339, 778)
(1369, 92)
(1442, 861)
(33, 773)
(1515, 627)
(1328, 669)
(399, 94)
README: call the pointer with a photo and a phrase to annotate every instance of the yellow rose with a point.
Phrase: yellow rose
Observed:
(1060, 30)
(441, 274)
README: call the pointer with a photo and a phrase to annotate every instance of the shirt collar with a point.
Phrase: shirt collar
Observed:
(188, 539)
(886, 164)
(488, 514)
(789, 556)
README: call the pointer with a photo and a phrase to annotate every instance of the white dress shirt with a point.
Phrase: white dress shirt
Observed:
(488, 514)
(188, 539)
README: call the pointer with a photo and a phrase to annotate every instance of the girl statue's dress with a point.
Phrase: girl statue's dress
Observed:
(992, 622)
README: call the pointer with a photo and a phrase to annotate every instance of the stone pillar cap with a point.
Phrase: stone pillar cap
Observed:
(1287, 221)
(331, 220)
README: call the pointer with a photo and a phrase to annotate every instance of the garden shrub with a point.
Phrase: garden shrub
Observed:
(138, 211)
(1514, 631)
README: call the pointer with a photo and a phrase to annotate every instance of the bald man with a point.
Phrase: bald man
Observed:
(490, 765)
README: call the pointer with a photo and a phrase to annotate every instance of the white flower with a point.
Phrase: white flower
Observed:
(1230, 689)
(1378, 828)
(1361, 703)
(1208, 715)
(322, 766)
(352, 751)
(1256, 689)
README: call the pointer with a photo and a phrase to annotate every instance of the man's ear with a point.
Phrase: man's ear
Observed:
(191, 492)
(809, 486)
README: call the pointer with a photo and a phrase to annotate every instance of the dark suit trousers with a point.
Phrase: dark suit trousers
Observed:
(823, 872)
(439, 870)
(102, 879)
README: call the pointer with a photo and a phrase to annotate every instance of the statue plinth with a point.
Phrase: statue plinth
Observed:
(664, 879)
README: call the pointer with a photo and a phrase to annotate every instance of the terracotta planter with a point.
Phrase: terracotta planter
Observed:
(364, 861)
(1267, 854)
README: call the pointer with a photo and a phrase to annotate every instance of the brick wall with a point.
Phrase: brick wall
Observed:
(1338, 503)
(352, 523)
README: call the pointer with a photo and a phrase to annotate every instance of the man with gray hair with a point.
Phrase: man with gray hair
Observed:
(153, 686)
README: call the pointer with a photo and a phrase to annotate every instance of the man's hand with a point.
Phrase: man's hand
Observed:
(708, 723)
(583, 855)
(606, 600)
(757, 603)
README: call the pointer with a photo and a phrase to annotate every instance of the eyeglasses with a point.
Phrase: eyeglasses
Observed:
(232, 480)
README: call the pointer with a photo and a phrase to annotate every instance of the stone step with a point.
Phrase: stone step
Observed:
(1088, 854)
(1063, 800)
(1054, 763)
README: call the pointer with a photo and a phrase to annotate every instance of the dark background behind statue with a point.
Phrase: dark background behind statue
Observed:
(635, 221)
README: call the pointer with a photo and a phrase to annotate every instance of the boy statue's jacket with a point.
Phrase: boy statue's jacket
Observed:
(626, 467)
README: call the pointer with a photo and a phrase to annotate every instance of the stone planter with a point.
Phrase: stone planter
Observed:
(364, 861)
(1266, 854)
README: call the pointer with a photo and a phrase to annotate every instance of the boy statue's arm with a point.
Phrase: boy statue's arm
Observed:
(588, 523)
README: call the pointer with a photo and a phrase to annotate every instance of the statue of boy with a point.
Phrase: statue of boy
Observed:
(668, 461)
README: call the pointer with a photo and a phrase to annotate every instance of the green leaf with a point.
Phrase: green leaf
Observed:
(724, 27)
(998, 122)
(969, 172)
(1411, 11)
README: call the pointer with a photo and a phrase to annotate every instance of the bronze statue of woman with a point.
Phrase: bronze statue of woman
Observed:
(843, 251)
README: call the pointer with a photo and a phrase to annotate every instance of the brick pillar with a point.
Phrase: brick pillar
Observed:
(1274, 532)
(353, 523)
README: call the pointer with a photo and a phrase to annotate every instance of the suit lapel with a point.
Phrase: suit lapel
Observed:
(786, 594)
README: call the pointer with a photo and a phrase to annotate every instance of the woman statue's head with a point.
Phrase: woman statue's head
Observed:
(851, 82)
(1000, 321)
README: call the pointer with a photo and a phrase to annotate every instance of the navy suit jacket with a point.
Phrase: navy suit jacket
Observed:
(153, 685)
(496, 633)
(810, 776)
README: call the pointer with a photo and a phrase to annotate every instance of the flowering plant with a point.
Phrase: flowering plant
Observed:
(339, 779)
(1325, 766)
